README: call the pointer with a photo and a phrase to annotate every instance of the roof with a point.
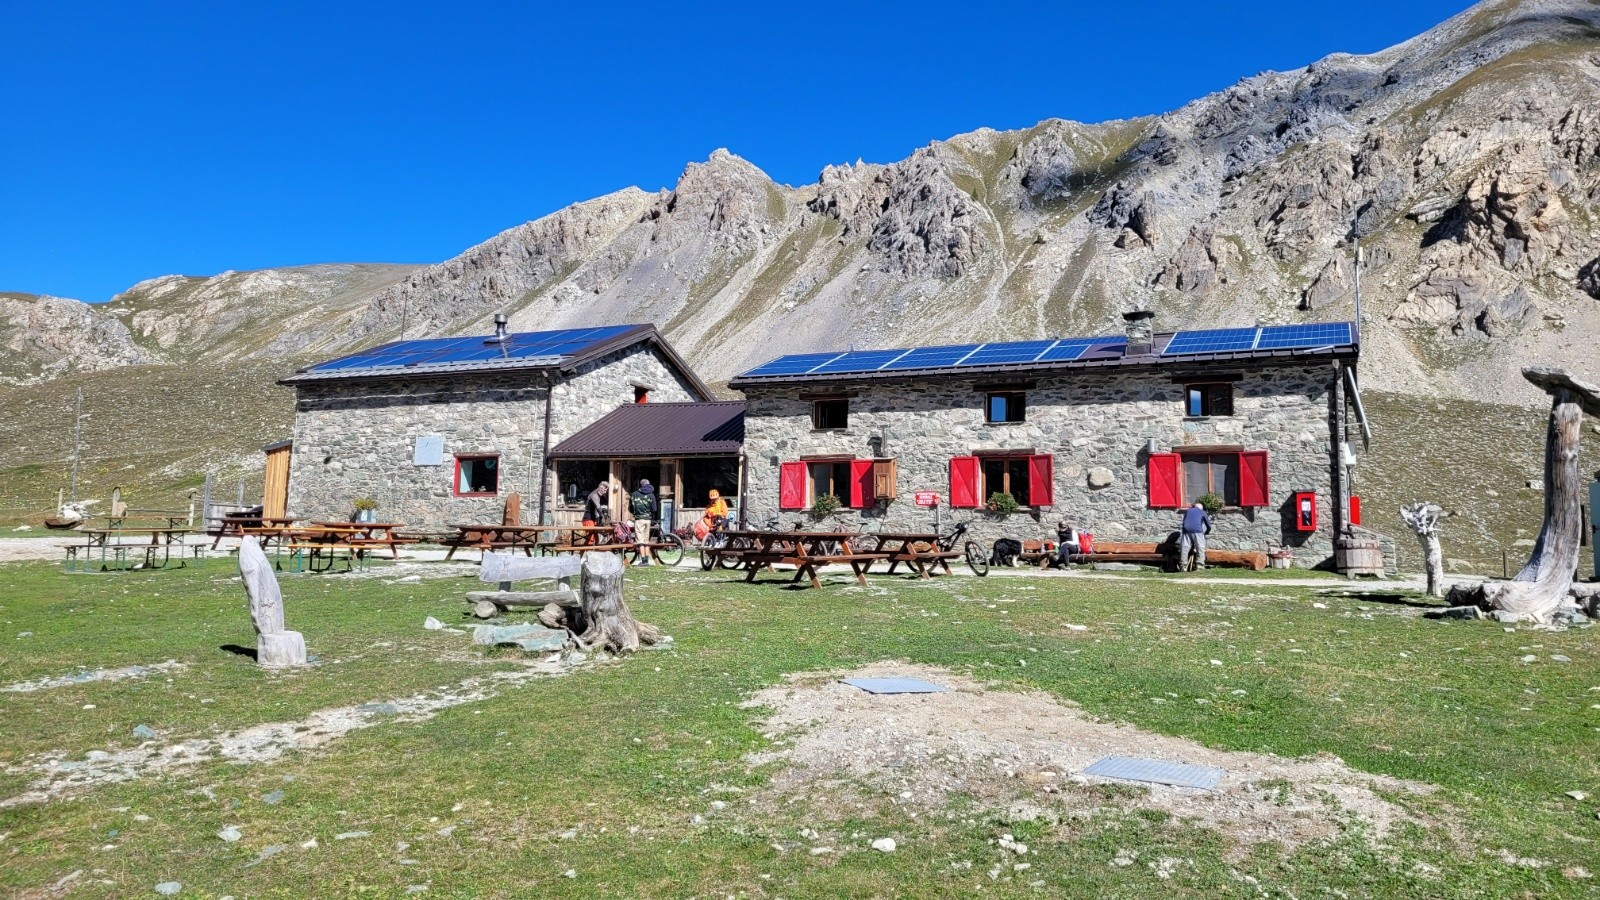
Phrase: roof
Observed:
(563, 350)
(1323, 339)
(660, 429)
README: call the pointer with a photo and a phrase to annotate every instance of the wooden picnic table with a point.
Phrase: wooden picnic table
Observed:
(235, 525)
(372, 534)
(526, 537)
(920, 552)
(326, 544)
(805, 550)
(149, 544)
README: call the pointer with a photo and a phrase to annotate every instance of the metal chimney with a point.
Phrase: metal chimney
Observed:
(1141, 331)
(499, 329)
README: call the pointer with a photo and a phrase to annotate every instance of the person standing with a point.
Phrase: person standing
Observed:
(597, 506)
(1196, 525)
(644, 505)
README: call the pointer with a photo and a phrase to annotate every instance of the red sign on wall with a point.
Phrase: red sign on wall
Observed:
(927, 498)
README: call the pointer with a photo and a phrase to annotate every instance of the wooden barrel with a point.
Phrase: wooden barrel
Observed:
(1359, 556)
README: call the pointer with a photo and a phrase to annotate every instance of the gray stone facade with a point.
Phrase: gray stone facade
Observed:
(356, 439)
(1097, 425)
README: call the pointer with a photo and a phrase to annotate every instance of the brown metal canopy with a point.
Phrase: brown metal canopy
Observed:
(660, 430)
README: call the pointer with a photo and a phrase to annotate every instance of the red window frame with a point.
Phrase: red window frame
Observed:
(455, 477)
(968, 491)
(1164, 476)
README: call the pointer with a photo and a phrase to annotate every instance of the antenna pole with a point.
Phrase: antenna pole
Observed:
(77, 443)
(1359, 258)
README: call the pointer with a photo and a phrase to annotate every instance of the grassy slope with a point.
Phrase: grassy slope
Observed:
(153, 430)
(648, 742)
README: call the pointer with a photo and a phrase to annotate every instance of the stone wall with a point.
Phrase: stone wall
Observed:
(1096, 426)
(356, 439)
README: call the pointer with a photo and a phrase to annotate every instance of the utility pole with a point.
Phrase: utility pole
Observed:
(77, 443)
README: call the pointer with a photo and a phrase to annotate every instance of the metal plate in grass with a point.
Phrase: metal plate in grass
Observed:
(1155, 771)
(896, 685)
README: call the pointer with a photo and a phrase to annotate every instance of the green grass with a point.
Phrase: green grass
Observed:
(617, 757)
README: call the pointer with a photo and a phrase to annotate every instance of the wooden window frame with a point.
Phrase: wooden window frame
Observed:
(1017, 398)
(816, 413)
(1210, 391)
(455, 479)
(1026, 458)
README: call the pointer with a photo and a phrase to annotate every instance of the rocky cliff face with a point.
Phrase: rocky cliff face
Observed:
(1466, 162)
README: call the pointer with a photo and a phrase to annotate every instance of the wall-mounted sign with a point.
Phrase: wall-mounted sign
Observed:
(429, 450)
(927, 498)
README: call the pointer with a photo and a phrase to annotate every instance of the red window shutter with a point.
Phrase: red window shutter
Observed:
(861, 487)
(792, 486)
(1042, 480)
(1253, 478)
(964, 482)
(1355, 510)
(1165, 485)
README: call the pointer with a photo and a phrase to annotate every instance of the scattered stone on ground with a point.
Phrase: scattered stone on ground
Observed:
(57, 775)
(86, 676)
(230, 834)
(168, 888)
(884, 845)
(432, 624)
(1009, 748)
(145, 733)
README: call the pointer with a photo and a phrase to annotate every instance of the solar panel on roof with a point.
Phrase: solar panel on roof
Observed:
(796, 364)
(930, 357)
(1221, 340)
(1001, 354)
(437, 351)
(1069, 350)
(1319, 334)
(859, 361)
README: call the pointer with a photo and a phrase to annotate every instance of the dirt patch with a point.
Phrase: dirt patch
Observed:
(259, 743)
(86, 676)
(29, 549)
(1026, 751)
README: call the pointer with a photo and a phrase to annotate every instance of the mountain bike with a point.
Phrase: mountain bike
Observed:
(977, 560)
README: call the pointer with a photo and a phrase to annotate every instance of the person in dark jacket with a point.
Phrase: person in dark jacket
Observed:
(597, 506)
(645, 507)
(1196, 525)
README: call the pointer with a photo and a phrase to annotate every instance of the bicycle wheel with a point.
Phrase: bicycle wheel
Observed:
(708, 560)
(976, 560)
(671, 550)
(727, 562)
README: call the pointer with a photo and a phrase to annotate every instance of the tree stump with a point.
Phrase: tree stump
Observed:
(1542, 591)
(1423, 519)
(603, 616)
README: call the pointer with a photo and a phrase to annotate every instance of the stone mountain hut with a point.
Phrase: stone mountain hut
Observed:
(1113, 434)
(441, 431)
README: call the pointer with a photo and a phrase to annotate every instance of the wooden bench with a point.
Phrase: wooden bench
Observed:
(354, 556)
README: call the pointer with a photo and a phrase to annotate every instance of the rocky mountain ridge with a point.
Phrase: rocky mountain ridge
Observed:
(1466, 163)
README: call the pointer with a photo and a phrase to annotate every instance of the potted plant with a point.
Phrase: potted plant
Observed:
(824, 506)
(1211, 502)
(366, 510)
(1002, 504)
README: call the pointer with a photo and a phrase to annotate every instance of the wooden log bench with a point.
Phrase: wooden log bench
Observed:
(507, 568)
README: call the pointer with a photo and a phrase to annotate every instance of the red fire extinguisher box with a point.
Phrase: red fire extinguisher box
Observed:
(1305, 511)
(1355, 510)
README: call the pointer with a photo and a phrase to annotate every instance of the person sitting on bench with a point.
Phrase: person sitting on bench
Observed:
(1068, 542)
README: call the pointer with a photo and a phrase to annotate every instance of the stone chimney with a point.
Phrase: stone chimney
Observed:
(1141, 331)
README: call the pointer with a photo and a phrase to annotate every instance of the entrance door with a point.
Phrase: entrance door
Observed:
(633, 472)
(275, 486)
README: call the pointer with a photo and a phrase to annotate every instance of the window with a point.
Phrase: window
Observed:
(1208, 400)
(575, 478)
(853, 481)
(700, 476)
(641, 394)
(829, 478)
(1005, 406)
(477, 476)
(1239, 477)
(1029, 479)
(1211, 474)
(830, 414)
(1006, 475)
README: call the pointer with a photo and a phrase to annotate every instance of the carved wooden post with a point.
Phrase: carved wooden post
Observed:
(1423, 518)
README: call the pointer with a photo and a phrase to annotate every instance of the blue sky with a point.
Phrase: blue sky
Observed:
(145, 139)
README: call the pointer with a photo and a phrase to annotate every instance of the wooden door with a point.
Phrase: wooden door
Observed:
(275, 484)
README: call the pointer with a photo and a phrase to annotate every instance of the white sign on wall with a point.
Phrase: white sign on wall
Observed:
(429, 450)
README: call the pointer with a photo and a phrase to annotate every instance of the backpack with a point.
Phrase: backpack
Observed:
(643, 505)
